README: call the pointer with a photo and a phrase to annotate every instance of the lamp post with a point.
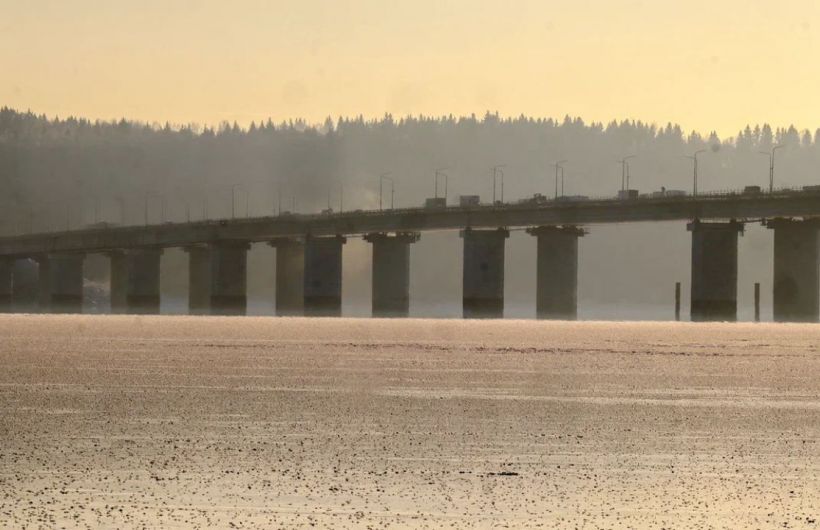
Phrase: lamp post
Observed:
(625, 171)
(562, 181)
(97, 208)
(441, 172)
(558, 167)
(694, 158)
(770, 154)
(233, 199)
(382, 178)
(498, 172)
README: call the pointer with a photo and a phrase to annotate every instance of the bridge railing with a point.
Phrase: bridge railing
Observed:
(525, 204)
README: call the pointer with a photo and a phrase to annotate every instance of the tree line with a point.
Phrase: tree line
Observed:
(69, 172)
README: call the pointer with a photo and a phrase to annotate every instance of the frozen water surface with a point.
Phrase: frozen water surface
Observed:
(182, 422)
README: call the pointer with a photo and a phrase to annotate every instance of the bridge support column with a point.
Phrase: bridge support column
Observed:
(556, 282)
(391, 273)
(323, 276)
(61, 283)
(290, 277)
(199, 280)
(483, 273)
(796, 290)
(6, 275)
(135, 281)
(714, 270)
(25, 280)
(229, 278)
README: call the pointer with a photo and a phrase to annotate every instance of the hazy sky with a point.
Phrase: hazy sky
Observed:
(707, 64)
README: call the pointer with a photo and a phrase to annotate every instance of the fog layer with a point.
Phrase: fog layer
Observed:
(59, 174)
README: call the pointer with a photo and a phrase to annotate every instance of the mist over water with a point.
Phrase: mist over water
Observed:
(59, 174)
(626, 272)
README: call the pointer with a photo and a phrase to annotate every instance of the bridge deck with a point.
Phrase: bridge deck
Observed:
(739, 206)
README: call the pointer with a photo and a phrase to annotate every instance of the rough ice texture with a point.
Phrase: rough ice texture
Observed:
(177, 422)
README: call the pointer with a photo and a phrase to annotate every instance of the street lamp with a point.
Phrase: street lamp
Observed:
(557, 167)
(441, 172)
(382, 178)
(770, 154)
(498, 172)
(244, 191)
(233, 199)
(625, 171)
(694, 158)
(97, 208)
(562, 181)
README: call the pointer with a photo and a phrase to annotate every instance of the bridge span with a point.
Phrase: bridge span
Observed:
(309, 250)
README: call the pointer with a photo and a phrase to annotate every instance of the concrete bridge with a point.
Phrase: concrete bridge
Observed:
(309, 255)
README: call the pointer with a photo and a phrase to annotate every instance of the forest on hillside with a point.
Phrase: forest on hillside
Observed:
(65, 173)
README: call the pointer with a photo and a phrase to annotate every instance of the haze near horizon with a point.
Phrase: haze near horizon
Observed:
(706, 66)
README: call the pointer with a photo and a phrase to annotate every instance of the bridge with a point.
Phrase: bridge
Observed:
(309, 252)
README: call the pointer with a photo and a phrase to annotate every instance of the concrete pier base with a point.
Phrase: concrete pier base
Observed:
(483, 273)
(714, 270)
(391, 273)
(135, 281)
(229, 265)
(290, 276)
(61, 283)
(556, 283)
(323, 276)
(199, 280)
(796, 288)
(6, 275)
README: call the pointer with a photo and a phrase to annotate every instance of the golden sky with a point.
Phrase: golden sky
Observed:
(707, 64)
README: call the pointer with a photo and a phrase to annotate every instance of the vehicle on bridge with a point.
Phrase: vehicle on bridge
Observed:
(469, 200)
(667, 193)
(538, 198)
(435, 202)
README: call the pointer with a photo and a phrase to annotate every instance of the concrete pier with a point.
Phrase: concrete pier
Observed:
(199, 280)
(714, 270)
(323, 276)
(483, 273)
(391, 273)
(135, 281)
(61, 283)
(290, 276)
(6, 275)
(556, 285)
(229, 266)
(796, 287)
(25, 281)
